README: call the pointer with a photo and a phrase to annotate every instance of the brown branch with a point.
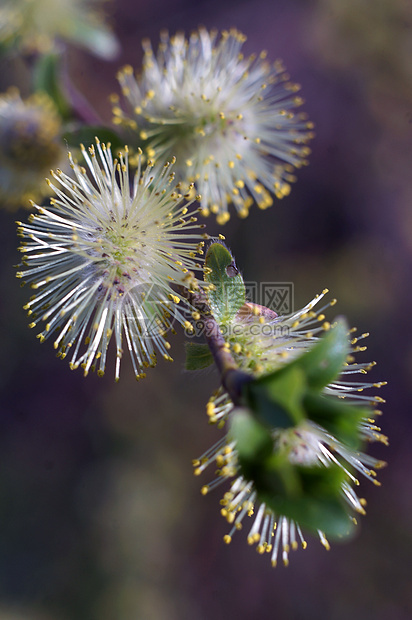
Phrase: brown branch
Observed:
(232, 378)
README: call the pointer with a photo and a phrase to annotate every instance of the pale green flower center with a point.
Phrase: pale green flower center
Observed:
(301, 446)
(119, 257)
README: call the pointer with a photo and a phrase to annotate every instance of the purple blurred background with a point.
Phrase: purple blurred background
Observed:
(100, 515)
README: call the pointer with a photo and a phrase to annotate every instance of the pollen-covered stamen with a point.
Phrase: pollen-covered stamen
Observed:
(219, 407)
(209, 456)
(29, 145)
(263, 341)
(353, 499)
(227, 118)
(105, 256)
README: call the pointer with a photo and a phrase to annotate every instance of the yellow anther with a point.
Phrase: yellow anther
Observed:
(325, 543)
(210, 409)
(222, 218)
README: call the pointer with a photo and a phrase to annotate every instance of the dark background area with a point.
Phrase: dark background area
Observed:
(100, 515)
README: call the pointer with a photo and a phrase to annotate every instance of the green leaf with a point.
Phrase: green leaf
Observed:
(198, 356)
(316, 505)
(308, 494)
(341, 419)
(327, 514)
(324, 362)
(86, 135)
(311, 496)
(276, 399)
(46, 79)
(253, 440)
(228, 293)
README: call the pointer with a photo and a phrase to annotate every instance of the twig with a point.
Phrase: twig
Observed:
(232, 378)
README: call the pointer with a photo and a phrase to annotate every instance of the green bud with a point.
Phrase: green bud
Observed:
(227, 293)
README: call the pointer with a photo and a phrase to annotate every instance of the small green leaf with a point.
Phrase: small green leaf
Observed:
(311, 496)
(228, 293)
(324, 362)
(46, 79)
(341, 419)
(313, 370)
(253, 441)
(308, 494)
(276, 399)
(86, 135)
(328, 515)
(198, 356)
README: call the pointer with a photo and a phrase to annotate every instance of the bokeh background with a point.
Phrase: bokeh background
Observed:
(100, 515)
